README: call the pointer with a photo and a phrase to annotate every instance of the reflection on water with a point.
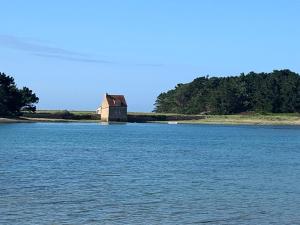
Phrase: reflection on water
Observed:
(149, 174)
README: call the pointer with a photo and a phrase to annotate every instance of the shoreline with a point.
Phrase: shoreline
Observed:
(208, 121)
(10, 120)
(57, 116)
(235, 123)
(43, 120)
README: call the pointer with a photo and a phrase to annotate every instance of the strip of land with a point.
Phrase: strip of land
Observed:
(6, 120)
(139, 117)
(274, 119)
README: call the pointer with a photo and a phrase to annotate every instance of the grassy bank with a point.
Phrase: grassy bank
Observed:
(61, 116)
(255, 119)
(141, 117)
(9, 120)
(54, 116)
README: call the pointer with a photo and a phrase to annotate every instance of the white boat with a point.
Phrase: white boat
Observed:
(172, 122)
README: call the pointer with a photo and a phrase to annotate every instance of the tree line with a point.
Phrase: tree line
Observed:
(275, 92)
(14, 100)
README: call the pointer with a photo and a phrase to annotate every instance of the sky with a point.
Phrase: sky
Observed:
(70, 53)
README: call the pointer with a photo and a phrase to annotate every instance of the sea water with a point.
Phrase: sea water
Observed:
(88, 173)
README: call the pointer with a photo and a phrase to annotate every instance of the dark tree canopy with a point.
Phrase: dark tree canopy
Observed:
(13, 99)
(277, 92)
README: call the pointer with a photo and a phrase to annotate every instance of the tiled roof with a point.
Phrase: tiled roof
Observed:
(116, 100)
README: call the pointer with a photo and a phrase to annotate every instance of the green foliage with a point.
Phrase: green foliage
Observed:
(13, 100)
(276, 92)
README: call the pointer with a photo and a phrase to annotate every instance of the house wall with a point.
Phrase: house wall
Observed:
(105, 111)
(114, 114)
(118, 113)
(105, 114)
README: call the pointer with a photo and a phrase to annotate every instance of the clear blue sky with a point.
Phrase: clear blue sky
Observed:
(72, 52)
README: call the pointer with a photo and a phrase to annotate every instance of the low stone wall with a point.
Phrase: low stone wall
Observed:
(133, 118)
(63, 115)
(148, 118)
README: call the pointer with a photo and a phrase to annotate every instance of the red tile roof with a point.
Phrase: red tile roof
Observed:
(116, 100)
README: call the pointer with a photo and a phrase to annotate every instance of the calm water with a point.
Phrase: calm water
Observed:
(79, 173)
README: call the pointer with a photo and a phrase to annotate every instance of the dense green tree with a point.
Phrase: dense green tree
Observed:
(278, 91)
(13, 100)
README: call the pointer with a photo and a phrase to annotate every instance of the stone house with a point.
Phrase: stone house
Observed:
(113, 108)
